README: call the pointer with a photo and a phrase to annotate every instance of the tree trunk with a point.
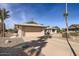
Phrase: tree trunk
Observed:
(3, 23)
(3, 29)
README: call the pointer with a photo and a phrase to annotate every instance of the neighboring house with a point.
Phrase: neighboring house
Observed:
(30, 29)
(74, 27)
(52, 30)
(48, 30)
(55, 29)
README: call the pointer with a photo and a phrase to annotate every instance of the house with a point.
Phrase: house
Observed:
(55, 29)
(74, 27)
(52, 30)
(30, 29)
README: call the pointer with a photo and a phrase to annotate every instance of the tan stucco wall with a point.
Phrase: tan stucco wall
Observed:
(34, 34)
(33, 31)
(29, 36)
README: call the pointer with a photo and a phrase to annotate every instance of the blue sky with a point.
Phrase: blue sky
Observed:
(50, 14)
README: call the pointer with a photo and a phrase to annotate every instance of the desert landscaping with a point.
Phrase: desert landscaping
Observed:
(43, 38)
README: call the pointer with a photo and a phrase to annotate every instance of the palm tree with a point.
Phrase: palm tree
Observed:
(3, 15)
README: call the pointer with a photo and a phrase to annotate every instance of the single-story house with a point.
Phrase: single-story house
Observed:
(30, 29)
(55, 29)
(74, 27)
(52, 30)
